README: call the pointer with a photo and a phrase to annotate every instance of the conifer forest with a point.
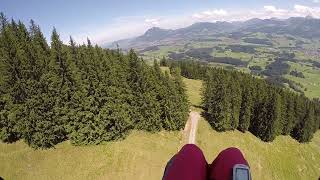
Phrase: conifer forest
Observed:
(54, 92)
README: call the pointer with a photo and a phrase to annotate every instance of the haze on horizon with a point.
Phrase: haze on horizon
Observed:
(107, 21)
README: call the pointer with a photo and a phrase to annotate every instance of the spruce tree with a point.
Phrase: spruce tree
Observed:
(217, 102)
(54, 93)
(164, 62)
(303, 131)
(235, 101)
(289, 114)
(12, 82)
(246, 107)
(39, 52)
(181, 103)
(273, 126)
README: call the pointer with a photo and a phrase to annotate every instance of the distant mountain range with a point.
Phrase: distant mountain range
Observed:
(306, 27)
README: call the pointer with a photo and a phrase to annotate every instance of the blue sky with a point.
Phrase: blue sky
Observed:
(105, 21)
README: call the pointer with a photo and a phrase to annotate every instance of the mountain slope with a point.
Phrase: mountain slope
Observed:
(296, 26)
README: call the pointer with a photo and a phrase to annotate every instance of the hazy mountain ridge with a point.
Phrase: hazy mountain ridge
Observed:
(306, 27)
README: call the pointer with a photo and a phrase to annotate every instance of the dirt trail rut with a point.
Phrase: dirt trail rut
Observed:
(190, 129)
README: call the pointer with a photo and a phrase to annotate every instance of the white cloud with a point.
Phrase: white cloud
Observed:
(127, 27)
(316, 1)
(270, 8)
(274, 10)
(301, 10)
(209, 14)
(153, 21)
(268, 11)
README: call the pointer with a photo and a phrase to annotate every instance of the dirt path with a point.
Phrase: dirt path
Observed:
(190, 129)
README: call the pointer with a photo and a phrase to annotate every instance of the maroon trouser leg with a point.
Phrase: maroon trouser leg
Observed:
(222, 167)
(188, 164)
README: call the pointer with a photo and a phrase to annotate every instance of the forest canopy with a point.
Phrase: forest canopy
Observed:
(54, 92)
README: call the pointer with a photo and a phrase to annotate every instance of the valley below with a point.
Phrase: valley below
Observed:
(285, 52)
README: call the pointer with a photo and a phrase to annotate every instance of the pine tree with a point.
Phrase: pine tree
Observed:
(3, 21)
(12, 81)
(246, 108)
(235, 101)
(289, 114)
(141, 81)
(73, 51)
(303, 131)
(39, 52)
(168, 104)
(181, 103)
(54, 93)
(216, 102)
(164, 62)
(274, 127)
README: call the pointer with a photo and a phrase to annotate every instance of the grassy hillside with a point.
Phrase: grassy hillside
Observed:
(140, 156)
(310, 82)
(143, 155)
(284, 158)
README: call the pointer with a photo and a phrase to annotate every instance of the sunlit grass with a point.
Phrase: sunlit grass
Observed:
(311, 81)
(141, 155)
(284, 158)
(193, 91)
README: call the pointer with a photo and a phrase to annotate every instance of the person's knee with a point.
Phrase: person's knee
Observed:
(188, 163)
(222, 167)
(233, 154)
(191, 149)
(192, 152)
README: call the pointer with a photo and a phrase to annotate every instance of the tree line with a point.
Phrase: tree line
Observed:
(236, 100)
(82, 93)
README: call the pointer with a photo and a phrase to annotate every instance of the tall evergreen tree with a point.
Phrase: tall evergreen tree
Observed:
(235, 101)
(216, 102)
(12, 81)
(54, 93)
(289, 114)
(39, 52)
(246, 108)
(303, 131)
(180, 99)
